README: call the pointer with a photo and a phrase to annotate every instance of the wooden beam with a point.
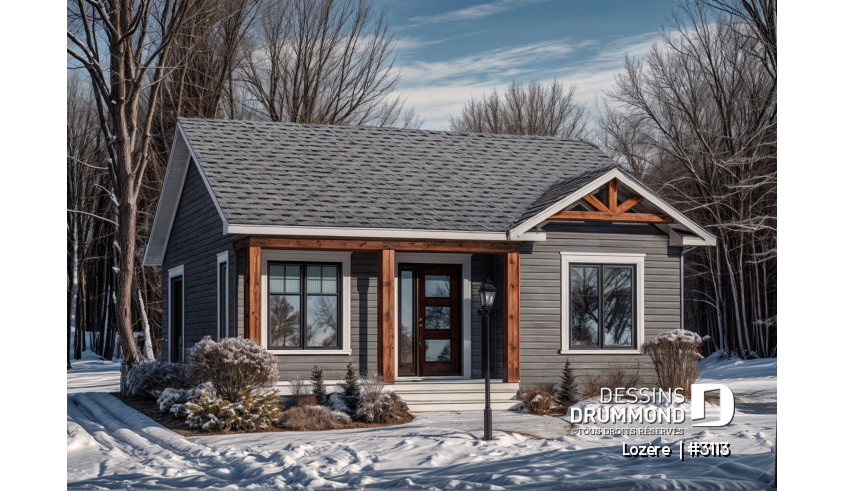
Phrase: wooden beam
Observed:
(612, 199)
(252, 294)
(595, 203)
(611, 217)
(386, 359)
(511, 311)
(628, 204)
(468, 247)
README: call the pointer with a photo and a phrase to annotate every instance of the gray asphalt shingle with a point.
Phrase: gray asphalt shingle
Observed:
(287, 174)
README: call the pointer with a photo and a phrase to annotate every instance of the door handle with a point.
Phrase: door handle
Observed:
(421, 329)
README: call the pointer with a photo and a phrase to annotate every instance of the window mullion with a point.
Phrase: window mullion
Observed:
(601, 305)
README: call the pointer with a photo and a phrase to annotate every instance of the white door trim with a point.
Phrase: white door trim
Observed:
(465, 260)
(175, 273)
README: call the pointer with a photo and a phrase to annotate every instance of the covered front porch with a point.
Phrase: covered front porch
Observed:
(395, 262)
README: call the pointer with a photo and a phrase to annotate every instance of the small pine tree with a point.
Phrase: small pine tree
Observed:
(318, 389)
(351, 387)
(566, 395)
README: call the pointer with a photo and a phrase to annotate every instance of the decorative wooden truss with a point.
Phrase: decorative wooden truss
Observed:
(611, 211)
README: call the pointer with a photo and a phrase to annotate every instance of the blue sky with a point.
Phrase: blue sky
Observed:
(448, 51)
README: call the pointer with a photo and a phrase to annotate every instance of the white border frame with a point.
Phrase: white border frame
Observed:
(567, 257)
(173, 273)
(223, 257)
(345, 259)
(464, 260)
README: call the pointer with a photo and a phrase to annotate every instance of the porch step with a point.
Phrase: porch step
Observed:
(458, 395)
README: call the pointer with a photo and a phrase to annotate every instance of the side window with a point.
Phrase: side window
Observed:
(177, 318)
(601, 306)
(222, 295)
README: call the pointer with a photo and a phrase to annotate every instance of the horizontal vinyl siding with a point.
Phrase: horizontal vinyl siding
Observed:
(540, 301)
(195, 240)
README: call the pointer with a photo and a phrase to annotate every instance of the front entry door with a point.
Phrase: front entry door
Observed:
(430, 336)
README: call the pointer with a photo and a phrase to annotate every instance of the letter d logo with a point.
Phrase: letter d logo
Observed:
(726, 402)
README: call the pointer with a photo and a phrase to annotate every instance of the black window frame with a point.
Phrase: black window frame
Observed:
(600, 344)
(222, 299)
(303, 301)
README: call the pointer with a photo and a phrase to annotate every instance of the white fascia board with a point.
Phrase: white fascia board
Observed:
(706, 238)
(382, 233)
(168, 216)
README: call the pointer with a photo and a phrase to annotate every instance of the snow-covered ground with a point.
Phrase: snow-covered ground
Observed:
(92, 375)
(113, 446)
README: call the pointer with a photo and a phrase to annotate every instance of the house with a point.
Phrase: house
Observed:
(337, 244)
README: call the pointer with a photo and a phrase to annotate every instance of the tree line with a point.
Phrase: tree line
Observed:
(695, 119)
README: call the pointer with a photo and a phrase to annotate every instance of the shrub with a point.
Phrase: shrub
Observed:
(233, 366)
(173, 400)
(337, 402)
(208, 412)
(537, 401)
(149, 378)
(616, 377)
(543, 386)
(318, 388)
(307, 401)
(298, 390)
(675, 356)
(566, 393)
(591, 386)
(385, 407)
(312, 418)
(351, 388)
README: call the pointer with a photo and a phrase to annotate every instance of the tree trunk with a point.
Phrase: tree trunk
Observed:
(148, 344)
(126, 266)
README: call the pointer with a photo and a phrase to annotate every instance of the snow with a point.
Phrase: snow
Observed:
(752, 381)
(93, 375)
(113, 446)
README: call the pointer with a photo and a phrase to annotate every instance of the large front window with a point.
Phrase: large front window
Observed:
(304, 305)
(601, 306)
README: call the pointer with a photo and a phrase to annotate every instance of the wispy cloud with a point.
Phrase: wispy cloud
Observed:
(438, 90)
(408, 44)
(474, 12)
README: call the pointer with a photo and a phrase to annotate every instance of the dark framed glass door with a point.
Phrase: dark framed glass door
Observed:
(429, 320)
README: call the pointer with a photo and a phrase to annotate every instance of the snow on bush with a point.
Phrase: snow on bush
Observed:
(206, 411)
(675, 356)
(537, 401)
(337, 402)
(150, 378)
(233, 365)
(173, 400)
(312, 418)
(377, 406)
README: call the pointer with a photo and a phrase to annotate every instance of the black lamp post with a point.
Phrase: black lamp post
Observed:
(487, 292)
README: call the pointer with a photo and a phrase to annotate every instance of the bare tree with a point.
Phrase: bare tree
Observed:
(525, 109)
(126, 82)
(322, 62)
(697, 120)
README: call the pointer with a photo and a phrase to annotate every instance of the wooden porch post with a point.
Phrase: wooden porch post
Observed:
(252, 293)
(511, 310)
(386, 343)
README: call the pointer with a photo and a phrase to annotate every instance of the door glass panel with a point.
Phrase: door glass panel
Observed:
(584, 305)
(438, 350)
(438, 317)
(618, 306)
(314, 278)
(437, 286)
(284, 321)
(283, 278)
(406, 318)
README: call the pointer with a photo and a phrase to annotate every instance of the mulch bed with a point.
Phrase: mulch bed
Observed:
(149, 408)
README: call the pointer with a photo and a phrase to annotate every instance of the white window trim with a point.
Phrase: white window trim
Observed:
(346, 296)
(567, 257)
(223, 257)
(174, 273)
(465, 260)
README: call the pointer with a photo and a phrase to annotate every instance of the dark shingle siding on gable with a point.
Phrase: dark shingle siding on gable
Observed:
(345, 176)
(195, 240)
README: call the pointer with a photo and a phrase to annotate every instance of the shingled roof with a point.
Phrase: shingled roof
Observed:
(283, 174)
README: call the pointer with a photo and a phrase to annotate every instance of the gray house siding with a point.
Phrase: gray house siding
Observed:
(195, 240)
(540, 297)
